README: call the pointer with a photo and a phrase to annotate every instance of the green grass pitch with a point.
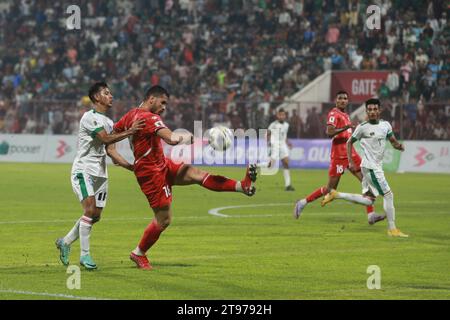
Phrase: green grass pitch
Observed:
(258, 252)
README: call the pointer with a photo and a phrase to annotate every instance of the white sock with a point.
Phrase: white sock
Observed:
(85, 234)
(355, 198)
(263, 164)
(73, 234)
(238, 188)
(287, 177)
(388, 205)
(138, 252)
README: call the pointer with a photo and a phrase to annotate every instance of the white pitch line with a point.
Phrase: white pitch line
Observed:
(216, 211)
(54, 295)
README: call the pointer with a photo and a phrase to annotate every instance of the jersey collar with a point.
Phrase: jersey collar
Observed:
(339, 110)
(95, 111)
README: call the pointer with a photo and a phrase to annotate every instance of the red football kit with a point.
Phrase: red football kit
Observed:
(154, 172)
(339, 161)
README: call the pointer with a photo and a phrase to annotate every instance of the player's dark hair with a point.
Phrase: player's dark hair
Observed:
(96, 88)
(342, 92)
(281, 110)
(373, 101)
(156, 91)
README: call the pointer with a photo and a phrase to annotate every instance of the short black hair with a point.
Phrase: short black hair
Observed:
(156, 91)
(281, 110)
(373, 101)
(96, 88)
(342, 92)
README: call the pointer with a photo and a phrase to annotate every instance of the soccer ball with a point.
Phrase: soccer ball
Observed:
(220, 138)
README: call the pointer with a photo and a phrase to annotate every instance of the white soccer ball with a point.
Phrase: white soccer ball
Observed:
(220, 138)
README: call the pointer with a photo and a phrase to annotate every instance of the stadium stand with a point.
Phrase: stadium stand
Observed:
(228, 61)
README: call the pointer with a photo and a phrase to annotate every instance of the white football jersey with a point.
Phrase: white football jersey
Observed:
(91, 153)
(278, 132)
(373, 142)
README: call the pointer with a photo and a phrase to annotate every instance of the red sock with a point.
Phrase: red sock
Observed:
(150, 236)
(218, 183)
(369, 209)
(316, 194)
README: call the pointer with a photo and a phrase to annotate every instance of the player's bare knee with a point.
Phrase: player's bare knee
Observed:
(190, 174)
(197, 175)
(369, 195)
(164, 223)
(96, 219)
(90, 211)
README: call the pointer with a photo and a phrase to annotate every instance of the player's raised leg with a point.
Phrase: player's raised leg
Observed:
(188, 174)
(351, 197)
(333, 182)
(163, 218)
(63, 244)
(372, 217)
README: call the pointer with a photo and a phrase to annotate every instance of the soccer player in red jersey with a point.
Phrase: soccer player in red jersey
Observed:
(156, 174)
(339, 128)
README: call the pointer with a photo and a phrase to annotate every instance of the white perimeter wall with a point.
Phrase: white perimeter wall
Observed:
(419, 156)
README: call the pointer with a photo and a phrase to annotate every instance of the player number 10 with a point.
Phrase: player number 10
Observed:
(167, 191)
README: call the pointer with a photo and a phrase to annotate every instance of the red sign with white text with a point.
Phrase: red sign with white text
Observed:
(360, 85)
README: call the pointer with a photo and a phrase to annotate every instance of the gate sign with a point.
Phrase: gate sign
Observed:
(360, 85)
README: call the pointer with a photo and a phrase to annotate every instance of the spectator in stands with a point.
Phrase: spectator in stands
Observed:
(188, 45)
(296, 125)
(393, 83)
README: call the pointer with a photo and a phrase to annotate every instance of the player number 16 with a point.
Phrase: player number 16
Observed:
(167, 191)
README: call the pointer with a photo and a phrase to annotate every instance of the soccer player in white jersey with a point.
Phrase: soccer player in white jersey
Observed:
(89, 171)
(279, 145)
(372, 135)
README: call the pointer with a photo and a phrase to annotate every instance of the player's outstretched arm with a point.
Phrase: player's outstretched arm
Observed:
(331, 131)
(117, 158)
(173, 139)
(395, 144)
(116, 137)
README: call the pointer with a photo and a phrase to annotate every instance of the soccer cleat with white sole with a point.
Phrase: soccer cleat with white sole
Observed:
(374, 218)
(299, 206)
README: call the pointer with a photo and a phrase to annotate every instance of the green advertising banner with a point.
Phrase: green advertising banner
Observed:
(391, 158)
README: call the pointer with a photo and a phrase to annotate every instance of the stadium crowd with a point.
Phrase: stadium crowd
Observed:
(222, 60)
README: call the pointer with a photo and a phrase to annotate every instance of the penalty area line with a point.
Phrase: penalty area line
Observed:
(53, 295)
